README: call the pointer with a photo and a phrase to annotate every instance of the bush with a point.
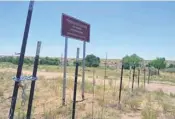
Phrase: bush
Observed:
(131, 60)
(1, 92)
(158, 63)
(149, 113)
(79, 62)
(92, 61)
(49, 61)
(30, 60)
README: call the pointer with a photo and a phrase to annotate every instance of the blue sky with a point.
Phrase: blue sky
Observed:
(118, 28)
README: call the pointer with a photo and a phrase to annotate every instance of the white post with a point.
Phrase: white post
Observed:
(64, 73)
(77, 56)
(83, 70)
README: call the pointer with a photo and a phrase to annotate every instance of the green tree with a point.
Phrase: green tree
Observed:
(171, 66)
(15, 60)
(49, 61)
(131, 60)
(10, 59)
(79, 62)
(28, 60)
(158, 63)
(92, 61)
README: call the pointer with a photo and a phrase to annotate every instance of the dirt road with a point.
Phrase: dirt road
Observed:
(150, 87)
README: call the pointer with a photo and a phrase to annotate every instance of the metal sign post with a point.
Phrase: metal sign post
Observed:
(21, 60)
(75, 85)
(149, 74)
(65, 71)
(129, 75)
(77, 29)
(144, 76)
(121, 78)
(83, 73)
(138, 76)
(35, 68)
(133, 77)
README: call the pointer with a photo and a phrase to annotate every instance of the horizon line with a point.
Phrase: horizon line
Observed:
(13, 55)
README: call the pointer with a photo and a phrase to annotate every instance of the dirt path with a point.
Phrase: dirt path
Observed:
(165, 87)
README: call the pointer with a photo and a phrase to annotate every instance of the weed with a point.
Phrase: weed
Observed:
(160, 92)
(172, 113)
(64, 111)
(172, 95)
(48, 89)
(110, 82)
(49, 115)
(100, 101)
(45, 82)
(21, 115)
(159, 95)
(139, 91)
(1, 92)
(81, 106)
(149, 113)
(134, 104)
(167, 107)
(87, 116)
(125, 88)
(88, 87)
(55, 86)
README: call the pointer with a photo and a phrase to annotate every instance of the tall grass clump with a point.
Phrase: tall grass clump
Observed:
(149, 113)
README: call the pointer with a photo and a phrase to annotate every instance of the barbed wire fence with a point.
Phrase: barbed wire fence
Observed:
(104, 97)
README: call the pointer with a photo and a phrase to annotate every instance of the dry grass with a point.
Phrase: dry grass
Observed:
(172, 95)
(48, 94)
(149, 113)
(1, 92)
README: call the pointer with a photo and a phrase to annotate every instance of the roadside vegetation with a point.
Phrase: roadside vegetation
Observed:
(141, 103)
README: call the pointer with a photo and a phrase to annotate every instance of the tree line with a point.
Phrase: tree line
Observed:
(30, 60)
(135, 60)
(90, 60)
(94, 61)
